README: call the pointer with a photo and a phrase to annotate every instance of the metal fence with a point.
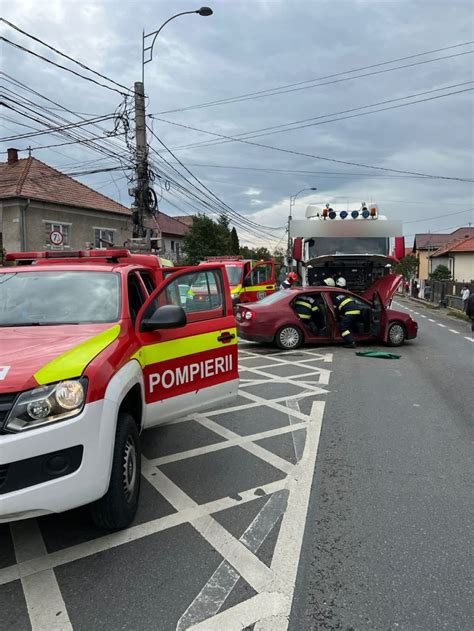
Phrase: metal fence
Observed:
(446, 292)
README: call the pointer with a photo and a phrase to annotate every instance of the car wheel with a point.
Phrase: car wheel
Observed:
(396, 334)
(118, 507)
(289, 337)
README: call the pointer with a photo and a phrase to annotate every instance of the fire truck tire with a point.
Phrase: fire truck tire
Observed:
(118, 507)
(396, 334)
(289, 337)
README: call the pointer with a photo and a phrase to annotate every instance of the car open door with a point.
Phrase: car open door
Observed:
(188, 353)
(378, 316)
(259, 282)
(385, 287)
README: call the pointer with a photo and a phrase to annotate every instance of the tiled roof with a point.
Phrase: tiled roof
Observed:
(31, 178)
(171, 225)
(186, 219)
(457, 245)
(431, 241)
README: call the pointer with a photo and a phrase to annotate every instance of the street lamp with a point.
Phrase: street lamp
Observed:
(204, 11)
(145, 197)
(292, 203)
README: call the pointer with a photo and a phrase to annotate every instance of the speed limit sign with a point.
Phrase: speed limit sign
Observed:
(56, 237)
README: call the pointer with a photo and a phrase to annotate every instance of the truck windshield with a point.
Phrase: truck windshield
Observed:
(41, 298)
(234, 274)
(323, 246)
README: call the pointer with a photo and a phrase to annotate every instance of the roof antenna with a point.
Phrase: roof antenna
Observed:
(29, 151)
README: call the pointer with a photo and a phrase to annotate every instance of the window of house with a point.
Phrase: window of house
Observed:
(172, 246)
(63, 228)
(177, 249)
(104, 238)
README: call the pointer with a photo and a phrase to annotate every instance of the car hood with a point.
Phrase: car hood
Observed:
(385, 287)
(24, 351)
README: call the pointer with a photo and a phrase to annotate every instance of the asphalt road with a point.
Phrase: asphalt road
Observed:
(335, 493)
(389, 537)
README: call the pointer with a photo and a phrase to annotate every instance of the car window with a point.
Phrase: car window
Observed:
(200, 294)
(147, 281)
(259, 275)
(135, 296)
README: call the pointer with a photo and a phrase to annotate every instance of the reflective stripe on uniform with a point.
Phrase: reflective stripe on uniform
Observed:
(315, 308)
(172, 349)
(353, 312)
(345, 302)
(303, 303)
(73, 362)
(304, 316)
(344, 333)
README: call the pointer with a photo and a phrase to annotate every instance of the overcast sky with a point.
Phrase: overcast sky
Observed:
(249, 46)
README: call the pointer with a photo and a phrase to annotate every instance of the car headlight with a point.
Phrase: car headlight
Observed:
(47, 404)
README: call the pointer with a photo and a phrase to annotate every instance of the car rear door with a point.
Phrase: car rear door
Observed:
(191, 367)
(259, 282)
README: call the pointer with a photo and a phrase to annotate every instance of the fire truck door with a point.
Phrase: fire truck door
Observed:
(188, 348)
(260, 282)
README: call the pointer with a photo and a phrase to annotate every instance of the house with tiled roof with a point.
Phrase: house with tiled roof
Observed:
(458, 256)
(42, 208)
(425, 244)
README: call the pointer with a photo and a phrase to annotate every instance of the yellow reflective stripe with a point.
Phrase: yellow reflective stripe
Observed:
(344, 333)
(345, 302)
(73, 362)
(165, 262)
(303, 303)
(315, 308)
(236, 290)
(172, 349)
(304, 316)
(260, 288)
(354, 312)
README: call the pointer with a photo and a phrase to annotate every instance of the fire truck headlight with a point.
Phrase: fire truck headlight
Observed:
(47, 404)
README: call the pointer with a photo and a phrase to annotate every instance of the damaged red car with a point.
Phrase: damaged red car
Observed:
(274, 319)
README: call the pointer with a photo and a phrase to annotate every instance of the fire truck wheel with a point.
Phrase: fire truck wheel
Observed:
(289, 337)
(396, 334)
(117, 509)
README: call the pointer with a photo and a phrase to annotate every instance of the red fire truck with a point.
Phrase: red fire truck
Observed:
(249, 280)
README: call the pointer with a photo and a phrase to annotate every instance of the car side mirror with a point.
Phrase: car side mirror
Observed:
(248, 281)
(165, 317)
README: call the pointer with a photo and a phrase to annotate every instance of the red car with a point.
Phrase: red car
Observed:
(274, 319)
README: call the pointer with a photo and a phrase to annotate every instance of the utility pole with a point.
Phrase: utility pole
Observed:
(142, 187)
(145, 202)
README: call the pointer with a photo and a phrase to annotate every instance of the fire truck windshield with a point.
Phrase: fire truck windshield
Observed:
(234, 274)
(60, 297)
(324, 246)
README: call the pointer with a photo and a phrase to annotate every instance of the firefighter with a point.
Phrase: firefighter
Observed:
(289, 281)
(349, 313)
(308, 312)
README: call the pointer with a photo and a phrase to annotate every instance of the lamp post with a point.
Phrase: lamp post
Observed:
(292, 203)
(145, 199)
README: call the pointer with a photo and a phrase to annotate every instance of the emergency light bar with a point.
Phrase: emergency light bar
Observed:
(67, 254)
(329, 213)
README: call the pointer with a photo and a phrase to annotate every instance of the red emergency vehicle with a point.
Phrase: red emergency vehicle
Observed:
(96, 346)
(249, 280)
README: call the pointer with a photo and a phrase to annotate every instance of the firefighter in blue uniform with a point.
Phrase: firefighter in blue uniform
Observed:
(309, 313)
(349, 313)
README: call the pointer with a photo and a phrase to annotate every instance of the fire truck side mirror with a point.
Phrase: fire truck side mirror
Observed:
(298, 249)
(165, 317)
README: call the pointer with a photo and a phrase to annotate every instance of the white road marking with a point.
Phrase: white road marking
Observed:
(107, 542)
(431, 320)
(44, 601)
(469, 339)
(423, 316)
(416, 313)
(453, 331)
(225, 444)
(442, 325)
(215, 592)
(299, 438)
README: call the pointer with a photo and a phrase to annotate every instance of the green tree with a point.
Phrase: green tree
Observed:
(234, 242)
(441, 273)
(407, 266)
(206, 238)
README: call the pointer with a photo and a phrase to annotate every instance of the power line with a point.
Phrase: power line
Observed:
(459, 212)
(303, 123)
(282, 89)
(36, 39)
(311, 155)
(53, 63)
